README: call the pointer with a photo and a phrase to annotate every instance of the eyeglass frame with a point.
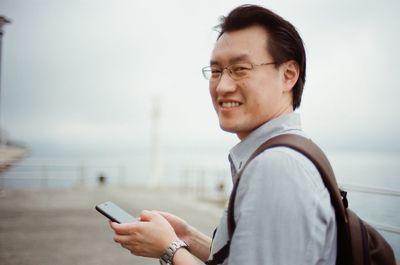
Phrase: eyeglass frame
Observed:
(230, 71)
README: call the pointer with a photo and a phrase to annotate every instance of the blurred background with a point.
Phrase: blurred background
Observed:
(100, 93)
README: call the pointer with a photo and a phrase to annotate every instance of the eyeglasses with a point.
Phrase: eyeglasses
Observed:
(236, 71)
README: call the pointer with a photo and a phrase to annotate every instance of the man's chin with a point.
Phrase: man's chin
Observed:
(230, 129)
(241, 132)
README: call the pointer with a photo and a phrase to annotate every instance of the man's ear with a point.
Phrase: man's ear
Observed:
(290, 74)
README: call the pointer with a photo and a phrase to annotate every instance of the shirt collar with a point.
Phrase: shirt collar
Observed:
(241, 152)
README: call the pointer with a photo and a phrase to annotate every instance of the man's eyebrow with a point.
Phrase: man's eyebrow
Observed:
(233, 60)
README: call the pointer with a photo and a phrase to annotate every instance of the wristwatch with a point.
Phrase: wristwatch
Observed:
(166, 258)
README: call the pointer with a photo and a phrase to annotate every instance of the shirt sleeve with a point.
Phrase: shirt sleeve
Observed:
(283, 213)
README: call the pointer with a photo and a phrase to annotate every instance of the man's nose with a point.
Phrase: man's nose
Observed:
(226, 84)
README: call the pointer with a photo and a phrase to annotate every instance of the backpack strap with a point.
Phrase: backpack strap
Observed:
(220, 256)
(309, 149)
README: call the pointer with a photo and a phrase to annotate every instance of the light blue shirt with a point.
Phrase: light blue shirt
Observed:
(282, 211)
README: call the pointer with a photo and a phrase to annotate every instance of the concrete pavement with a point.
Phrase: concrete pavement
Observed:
(60, 227)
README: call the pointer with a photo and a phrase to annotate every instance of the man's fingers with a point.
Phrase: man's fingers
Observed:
(165, 214)
(146, 216)
(121, 239)
(124, 229)
(127, 240)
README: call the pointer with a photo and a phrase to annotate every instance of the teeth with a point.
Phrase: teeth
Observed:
(229, 104)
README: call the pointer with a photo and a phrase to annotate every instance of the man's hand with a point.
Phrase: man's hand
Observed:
(181, 227)
(148, 238)
(199, 244)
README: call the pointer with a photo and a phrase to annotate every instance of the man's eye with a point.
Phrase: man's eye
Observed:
(240, 70)
(215, 72)
(241, 67)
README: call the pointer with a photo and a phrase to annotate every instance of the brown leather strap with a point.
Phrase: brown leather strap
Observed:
(317, 157)
(309, 149)
(358, 242)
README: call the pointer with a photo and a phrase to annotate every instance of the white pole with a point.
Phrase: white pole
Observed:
(3, 21)
(156, 171)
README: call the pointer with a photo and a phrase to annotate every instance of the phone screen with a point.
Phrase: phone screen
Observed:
(115, 213)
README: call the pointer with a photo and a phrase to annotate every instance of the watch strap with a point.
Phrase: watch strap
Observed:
(166, 258)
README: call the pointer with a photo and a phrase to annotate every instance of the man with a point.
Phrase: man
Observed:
(282, 209)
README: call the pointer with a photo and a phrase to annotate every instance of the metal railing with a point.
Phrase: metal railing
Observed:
(208, 183)
(44, 175)
(385, 227)
(200, 176)
(375, 191)
(368, 189)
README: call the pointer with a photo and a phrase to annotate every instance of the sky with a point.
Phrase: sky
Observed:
(88, 73)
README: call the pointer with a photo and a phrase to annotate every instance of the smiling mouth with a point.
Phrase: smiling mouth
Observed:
(229, 104)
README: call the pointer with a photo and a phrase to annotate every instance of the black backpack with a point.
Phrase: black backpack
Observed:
(358, 242)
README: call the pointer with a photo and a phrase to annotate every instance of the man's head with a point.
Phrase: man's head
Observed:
(257, 69)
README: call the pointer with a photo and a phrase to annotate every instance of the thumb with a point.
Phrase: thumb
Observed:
(146, 216)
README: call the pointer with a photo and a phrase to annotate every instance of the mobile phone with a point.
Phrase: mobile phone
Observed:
(115, 213)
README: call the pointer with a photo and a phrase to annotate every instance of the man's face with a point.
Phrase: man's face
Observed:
(243, 105)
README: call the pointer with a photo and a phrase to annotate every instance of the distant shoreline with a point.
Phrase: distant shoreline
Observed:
(10, 154)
